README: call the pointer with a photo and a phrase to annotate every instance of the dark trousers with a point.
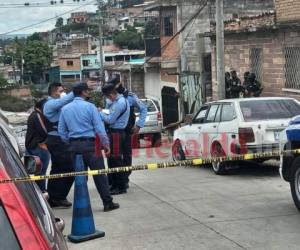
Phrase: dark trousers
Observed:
(127, 153)
(61, 159)
(86, 147)
(117, 145)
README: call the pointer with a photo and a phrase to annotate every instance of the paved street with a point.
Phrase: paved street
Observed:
(189, 208)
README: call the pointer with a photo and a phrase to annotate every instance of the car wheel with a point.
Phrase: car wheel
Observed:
(295, 182)
(156, 140)
(177, 151)
(218, 167)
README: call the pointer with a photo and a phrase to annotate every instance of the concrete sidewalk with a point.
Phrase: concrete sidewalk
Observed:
(189, 208)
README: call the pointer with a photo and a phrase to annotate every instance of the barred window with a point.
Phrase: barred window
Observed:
(291, 67)
(256, 62)
(168, 21)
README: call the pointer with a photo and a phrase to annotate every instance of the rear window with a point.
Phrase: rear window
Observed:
(149, 104)
(269, 109)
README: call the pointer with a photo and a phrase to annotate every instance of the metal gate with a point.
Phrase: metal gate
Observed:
(190, 89)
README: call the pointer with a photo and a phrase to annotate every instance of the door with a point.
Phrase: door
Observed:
(228, 127)
(192, 138)
(209, 129)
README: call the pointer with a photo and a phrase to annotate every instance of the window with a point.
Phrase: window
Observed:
(269, 109)
(199, 118)
(218, 115)
(168, 26)
(228, 113)
(291, 67)
(212, 113)
(86, 63)
(108, 59)
(69, 63)
(256, 62)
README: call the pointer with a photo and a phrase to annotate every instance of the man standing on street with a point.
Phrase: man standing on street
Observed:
(116, 120)
(61, 160)
(79, 122)
(133, 127)
(36, 136)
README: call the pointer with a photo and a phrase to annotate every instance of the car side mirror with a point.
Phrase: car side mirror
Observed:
(188, 119)
(32, 164)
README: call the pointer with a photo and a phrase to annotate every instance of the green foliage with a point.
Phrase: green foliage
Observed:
(34, 37)
(37, 57)
(129, 38)
(59, 22)
(94, 47)
(3, 81)
(14, 104)
(130, 3)
(35, 92)
(97, 98)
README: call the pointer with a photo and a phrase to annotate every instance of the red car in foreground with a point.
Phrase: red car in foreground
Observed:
(26, 220)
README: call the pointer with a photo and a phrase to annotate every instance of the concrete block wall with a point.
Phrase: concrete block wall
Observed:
(237, 53)
(287, 10)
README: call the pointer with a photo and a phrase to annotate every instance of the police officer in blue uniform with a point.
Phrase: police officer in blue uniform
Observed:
(78, 124)
(58, 189)
(116, 121)
(133, 126)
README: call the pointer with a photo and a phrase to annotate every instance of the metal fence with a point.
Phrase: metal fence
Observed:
(256, 62)
(292, 67)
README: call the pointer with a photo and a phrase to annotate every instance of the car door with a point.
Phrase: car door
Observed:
(192, 144)
(208, 129)
(228, 126)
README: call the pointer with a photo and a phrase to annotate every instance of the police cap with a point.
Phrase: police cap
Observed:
(114, 80)
(78, 88)
(108, 88)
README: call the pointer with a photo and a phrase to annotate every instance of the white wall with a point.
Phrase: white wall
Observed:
(153, 85)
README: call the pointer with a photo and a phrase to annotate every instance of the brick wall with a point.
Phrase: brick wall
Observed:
(171, 51)
(237, 56)
(287, 10)
(63, 64)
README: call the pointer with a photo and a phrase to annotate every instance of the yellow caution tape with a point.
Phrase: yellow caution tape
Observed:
(154, 166)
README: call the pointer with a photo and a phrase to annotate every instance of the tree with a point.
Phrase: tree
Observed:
(37, 57)
(59, 22)
(129, 38)
(34, 37)
(3, 81)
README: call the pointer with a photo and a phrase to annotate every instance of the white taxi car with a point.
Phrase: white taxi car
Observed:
(234, 126)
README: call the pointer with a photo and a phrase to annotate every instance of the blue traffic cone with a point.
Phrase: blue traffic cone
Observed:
(83, 226)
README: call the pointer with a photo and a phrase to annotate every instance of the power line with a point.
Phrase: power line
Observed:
(46, 20)
(178, 32)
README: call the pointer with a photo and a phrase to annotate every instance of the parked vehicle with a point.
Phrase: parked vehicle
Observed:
(26, 220)
(290, 163)
(234, 126)
(153, 124)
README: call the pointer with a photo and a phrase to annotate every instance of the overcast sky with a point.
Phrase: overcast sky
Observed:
(15, 18)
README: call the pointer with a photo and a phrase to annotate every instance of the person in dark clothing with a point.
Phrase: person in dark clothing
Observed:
(253, 87)
(236, 86)
(227, 85)
(36, 136)
(78, 124)
(61, 158)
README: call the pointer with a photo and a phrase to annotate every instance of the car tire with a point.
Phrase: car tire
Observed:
(295, 182)
(156, 140)
(219, 168)
(177, 152)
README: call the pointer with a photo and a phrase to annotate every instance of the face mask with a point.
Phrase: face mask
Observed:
(62, 94)
(120, 89)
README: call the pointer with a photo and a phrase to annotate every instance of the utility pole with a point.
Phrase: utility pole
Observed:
(220, 49)
(22, 68)
(101, 55)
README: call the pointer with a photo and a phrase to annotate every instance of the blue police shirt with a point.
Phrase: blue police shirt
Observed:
(52, 108)
(115, 110)
(134, 101)
(81, 119)
(137, 103)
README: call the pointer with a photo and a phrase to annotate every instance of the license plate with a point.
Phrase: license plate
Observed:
(277, 135)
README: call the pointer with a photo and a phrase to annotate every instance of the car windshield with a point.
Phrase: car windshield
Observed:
(150, 105)
(269, 109)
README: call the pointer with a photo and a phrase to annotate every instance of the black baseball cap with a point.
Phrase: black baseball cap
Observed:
(114, 80)
(78, 88)
(108, 88)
